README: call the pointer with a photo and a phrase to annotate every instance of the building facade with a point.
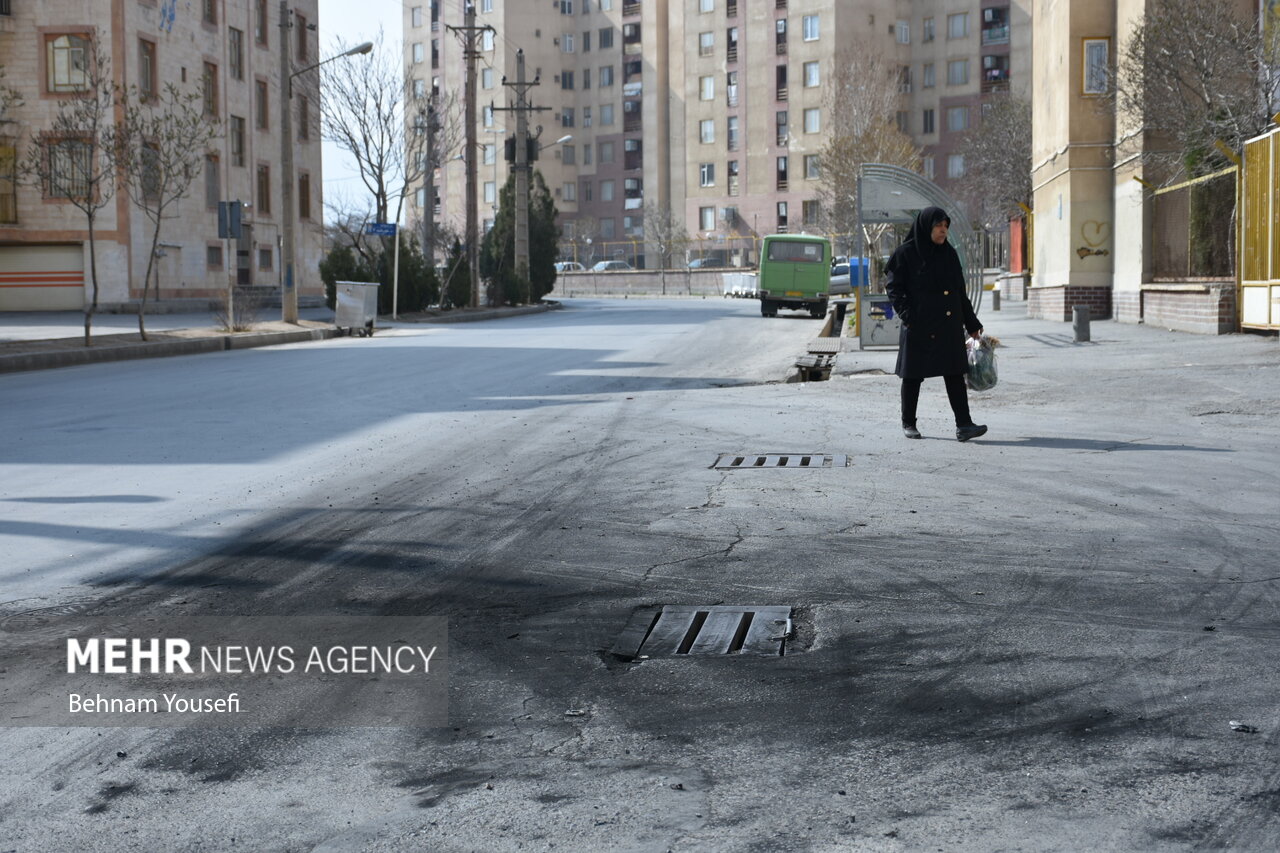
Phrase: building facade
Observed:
(715, 110)
(225, 51)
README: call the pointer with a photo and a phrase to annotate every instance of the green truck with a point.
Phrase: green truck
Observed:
(795, 273)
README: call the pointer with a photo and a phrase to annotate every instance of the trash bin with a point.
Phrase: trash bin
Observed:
(356, 307)
(878, 326)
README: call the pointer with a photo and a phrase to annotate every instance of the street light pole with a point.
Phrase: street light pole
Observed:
(289, 296)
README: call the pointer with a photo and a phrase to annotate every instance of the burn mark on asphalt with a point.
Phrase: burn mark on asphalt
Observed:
(108, 792)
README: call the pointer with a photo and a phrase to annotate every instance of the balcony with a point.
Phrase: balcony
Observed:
(731, 9)
(782, 93)
(782, 47)
(732, 54)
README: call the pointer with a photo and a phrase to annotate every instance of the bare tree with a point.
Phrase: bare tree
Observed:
(367, 107)
(1196, 73)
(863, 96)
(74, 160)
(586, 233)
(160, 150)
(10, 99)
(665, 231)
(997, 160)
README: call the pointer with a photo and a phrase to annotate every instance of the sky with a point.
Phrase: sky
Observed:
(355, 21)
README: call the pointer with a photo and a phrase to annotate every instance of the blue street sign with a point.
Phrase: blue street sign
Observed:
(382, 229)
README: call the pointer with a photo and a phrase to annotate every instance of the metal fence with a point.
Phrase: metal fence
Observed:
(738, 252)
(1191, 228)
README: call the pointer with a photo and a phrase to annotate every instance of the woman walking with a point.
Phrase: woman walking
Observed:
(926, 285)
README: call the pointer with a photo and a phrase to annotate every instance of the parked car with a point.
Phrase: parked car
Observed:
(840, 280)
(704, 263)
(612, 266)
(569, 266)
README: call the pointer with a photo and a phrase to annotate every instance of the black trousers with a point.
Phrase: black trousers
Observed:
(957, 394)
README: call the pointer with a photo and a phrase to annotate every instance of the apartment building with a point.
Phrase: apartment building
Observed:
(227, 52)
(715, 109)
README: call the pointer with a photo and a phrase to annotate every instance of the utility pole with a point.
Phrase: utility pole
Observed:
(522, 167)
(470, 34)
(289, 296)
(429, 178)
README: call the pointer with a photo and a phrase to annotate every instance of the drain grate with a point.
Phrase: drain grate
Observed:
(782, 460)
(715, 630)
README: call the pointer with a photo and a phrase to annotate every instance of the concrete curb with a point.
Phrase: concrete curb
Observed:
(89, 355)
(488, 314)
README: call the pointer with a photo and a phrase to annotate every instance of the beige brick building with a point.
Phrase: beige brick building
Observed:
(225, 50)
(714, 108)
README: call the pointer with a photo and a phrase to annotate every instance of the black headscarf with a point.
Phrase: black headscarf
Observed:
(921, 236)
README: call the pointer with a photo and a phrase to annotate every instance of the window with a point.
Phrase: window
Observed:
(415, 16)
(566, 117)
(210, 11)
(731, 132)
(706, 5)
(586, 122)
(780, 121)
(566, 7)
(929, 77)
(706, 219)
(606, 153)
(811, 28)
(212, 181)
(607, 228)
(812, 75)
(489, 154)
(304, 117)
(486, 78)
(707, 131)
(569, 155)
(605, 80)
(67, 57)
(300, 27)
(903, 119)
(486, 115)
(264, 188)
(782, 216)
(586, 42)
(809, 212)
(566, 43)
(236, 134)
(706, 88)
(731, 88)
(927, 30)
(926, 122)
(570, 191)
(606, 190)
(209, 89)
(419, 53)
(213, 257)
(904, 79)
(265, 258)
(606, 37)
(147, 85)
(490, 192)
(261, 112)
(606, 5)
(781, 173)
(70, 166)
(606, 115)
(812, 120)
(707, 175)
(811, 172)
(587, 194)
(304, 196)
(902, 32)
(566, 79)
(706, 44)
(485, 6)
(260, 22)
(957, 72)
(927, 167)
(957, 119)
(586, 78)
(586, 155)
(1096, 52)
(958, 25)
(955, 165)
(486, 40)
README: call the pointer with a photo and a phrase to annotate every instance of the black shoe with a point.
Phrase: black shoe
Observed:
(965, 433)
(910, 431)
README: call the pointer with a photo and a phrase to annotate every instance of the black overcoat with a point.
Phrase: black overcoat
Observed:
(928, 294)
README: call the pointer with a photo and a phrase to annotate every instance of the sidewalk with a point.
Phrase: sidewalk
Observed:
(39, 340)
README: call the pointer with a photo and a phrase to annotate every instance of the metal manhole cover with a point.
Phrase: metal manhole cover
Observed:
(782, 460)
(714, 630)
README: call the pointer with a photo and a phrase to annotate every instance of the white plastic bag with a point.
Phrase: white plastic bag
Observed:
(981, 372)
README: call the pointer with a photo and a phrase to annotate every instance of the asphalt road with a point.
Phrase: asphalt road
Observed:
(997, 645)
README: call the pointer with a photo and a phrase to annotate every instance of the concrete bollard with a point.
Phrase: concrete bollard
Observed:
(1080, 322)
(995, 298)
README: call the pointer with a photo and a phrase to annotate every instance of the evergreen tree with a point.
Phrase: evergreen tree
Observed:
(498, 251)
(457, 286)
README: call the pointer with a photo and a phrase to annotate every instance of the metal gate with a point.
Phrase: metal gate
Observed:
(893, 195)
(1260, 233)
